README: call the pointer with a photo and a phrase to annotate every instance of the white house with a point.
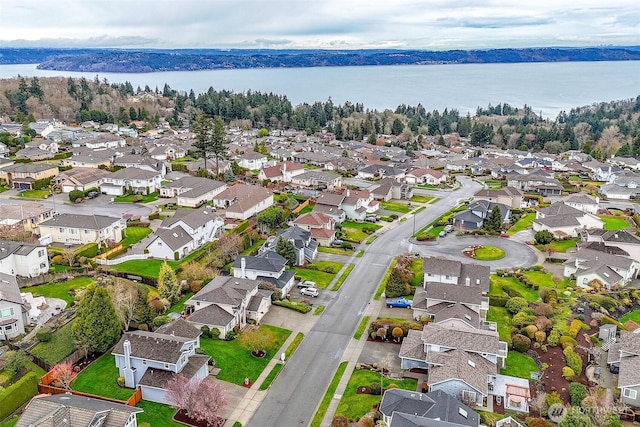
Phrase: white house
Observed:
(252, 160)
(23, 259)
(268, 267)
(565, 221)
(282, 172)
(131, 180)
(589, 265)
(76, 229)
(192, 191)
(425, 176)
(242, 201)
(13, 312)
(583, 202)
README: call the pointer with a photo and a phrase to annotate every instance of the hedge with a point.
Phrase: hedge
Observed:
(238, 229)
(18, 394)
(89, 250)
(294, 305)
(117, 252)
(498, 300)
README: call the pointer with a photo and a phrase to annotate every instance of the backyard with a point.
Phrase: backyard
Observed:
(558, 245)
(100, 377)
(502, 317)
(634, 316)
(60, 346)
(523, 223)
(60, 290)
(134, 235)
(614, 222)
(354, 405)
(236, 362)
(519, 365)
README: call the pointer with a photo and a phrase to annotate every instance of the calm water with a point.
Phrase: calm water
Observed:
(547, 87)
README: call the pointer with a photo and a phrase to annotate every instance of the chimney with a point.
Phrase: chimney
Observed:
(243, 264)
(127, 354)
(348, 192)
(467, 281)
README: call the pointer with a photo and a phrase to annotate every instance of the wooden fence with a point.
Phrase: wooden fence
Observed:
(25, 282)
(110, 251)
(45, 387)
(301, 206)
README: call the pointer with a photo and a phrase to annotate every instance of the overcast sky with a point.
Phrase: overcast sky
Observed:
(329, 24)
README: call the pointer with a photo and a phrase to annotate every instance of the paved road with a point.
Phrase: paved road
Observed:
(297, 391)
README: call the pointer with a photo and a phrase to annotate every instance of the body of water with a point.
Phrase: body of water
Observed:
(547, 87)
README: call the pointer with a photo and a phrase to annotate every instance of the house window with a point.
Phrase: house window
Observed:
(468, 396)
(6, 312)
(144, 362)
(87, 231)
(40, 253)
(628, 393)
(447, 277)
(62, 230)
(166, 366)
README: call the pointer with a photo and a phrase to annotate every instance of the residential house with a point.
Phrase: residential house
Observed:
(267, 266)
(590, 266)
(101, 141)
(626, 162)
(76, 229)
(406, 408)
(141, 162)
(538, 180)
(381, 171)
(193, 191)
(13, 311)
(318, 179)
(388, 188)
(606, 173)
(321, 227)
(23, 259)
(330, 204)
(306, 249)
(4, 150)
(617, 192)
(228, 302)
(478, 212)
(22, 176)
(508, 196)
(624, 240)
(81, 179)
(68, 409)
(425, 176)
(184, 232)
(462, 361)
(583, 202)
(131, 180)
(624, 354)
(282, 172)
(150, 359)
(26, 215)
(252, 160)
(34, 154)
(92, 160)
(453, 292)
(242, 201)
(565, 221)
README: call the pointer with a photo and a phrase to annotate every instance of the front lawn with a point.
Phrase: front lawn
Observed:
(419, 198)
(559, 245)
(136, 198)
(100, 378)
(319, 272)
(519, 365)
(395, 207)
(236, 362)
(354, 405)
(36, 194)
(157, 414)
(489, 253)
(523, 223)
(614, 222)
(502, 317)
(335, 251)
(358, 231)
(134, 235)
(60, 346)
(634, 316)
(495, 184)
(60, 290)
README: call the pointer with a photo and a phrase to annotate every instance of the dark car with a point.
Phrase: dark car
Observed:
(92, 194)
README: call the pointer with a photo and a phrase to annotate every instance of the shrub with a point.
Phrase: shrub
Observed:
(530, 331)
(18, 394)
(577, 392)
(574, 361)
(511, 291)
(543, 237)
(521, 343)
(552, 398)
(231, 335)
(44, 334)
(160, 320)
(57, 260)
(498, 300)
(215, 333)
(516, 304)
(120, 381)
(567, 341)
(575, 327)
(540, 336)
(75, 195)
(522, 318)
(568, 373)
(553, 338)
(375, 389)
(206, 332)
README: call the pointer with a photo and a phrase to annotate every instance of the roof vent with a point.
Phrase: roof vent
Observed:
(471, 363)
(462, 412)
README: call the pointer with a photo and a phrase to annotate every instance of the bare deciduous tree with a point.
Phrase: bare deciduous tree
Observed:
(124, 297)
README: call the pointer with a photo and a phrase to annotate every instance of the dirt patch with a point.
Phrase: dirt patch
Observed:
(181, 417)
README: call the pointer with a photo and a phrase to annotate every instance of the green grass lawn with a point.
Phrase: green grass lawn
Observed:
(36, 194)
(134, 235)
(519, 365)
(353, 405)
(100, 377)
(143, 267)
(522, 224)
(502, 317)
(355, 230)
(419, 198)
(60, 346)
(60, 289)
(489, 253)
(614, 223)
(306, 209)
(321, 278)
(129, 198)
(253, 248)
(395, 207)
(336, 251)
(11, 421)
(179, 305)
(328, 395)
(427, 186)
(496, 284)
(272, 376)
(343, 277)
(633, 316)
(495, 184)
(237, 363)
(545, 280)
(157, 414)
(559, 245)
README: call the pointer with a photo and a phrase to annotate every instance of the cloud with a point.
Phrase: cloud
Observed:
(92, 42)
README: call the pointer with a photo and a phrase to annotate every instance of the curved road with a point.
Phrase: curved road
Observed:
(295, 394)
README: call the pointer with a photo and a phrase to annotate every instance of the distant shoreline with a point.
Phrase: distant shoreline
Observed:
(158, 60)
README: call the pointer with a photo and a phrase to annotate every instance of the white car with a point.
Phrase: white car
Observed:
(307, 284)
(310, 292)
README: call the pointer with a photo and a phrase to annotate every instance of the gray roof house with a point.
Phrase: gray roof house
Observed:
(478, 212)
(76, 229)
(306, 248)
(565, 221)
(267, 266)
(23, 259)
(131, 180)
(589, 265)
(192, 191)
(625, 354)
(150, 359)
(421, 408)
(13, 311)
(78, 411)
(624, 240)
(228, 302)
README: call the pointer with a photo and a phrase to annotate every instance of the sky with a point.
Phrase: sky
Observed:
(323, 24)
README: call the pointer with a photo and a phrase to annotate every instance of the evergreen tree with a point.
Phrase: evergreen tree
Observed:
(202, 129)
(142, 312)
(286, 249)
(397, 127)
(168, 285)
(218, 142)
(96, 324)
(494, 222)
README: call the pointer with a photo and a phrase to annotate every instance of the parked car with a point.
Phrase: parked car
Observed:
(306, 284)
(92, 194)
(372, 218)
(310, 292)
(399, 302)
(449, 228)
(337, 242)
(321, 187)
(442, 233)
